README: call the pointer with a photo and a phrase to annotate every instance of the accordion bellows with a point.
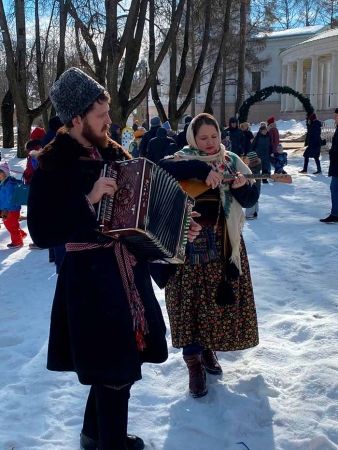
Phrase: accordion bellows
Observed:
(150, 211)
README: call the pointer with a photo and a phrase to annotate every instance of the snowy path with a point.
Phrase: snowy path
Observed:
(280, 395)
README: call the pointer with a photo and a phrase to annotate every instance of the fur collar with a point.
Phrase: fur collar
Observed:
(63, 151)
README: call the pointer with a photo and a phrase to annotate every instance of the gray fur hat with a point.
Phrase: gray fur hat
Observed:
(73, 92)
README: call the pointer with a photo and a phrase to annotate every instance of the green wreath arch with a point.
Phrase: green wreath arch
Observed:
(263, 94)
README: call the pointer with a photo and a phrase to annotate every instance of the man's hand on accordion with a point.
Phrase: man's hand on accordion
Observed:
(102, 186)
(194, 228)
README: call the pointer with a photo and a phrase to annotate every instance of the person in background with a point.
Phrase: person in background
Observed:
(9, 212)
(161, 146)
(32, 147)
(313, 142)
(262, 146)
(249, 137)
(115, 133)
(135, 125)
(134, 146)
(54, 124)
(181, 139)
(255, 165)
(263, 124)
(155, 124)
(273, 133)
(280, 160)
(236, 136)
(55, 254)
(209, 298)
(333, 172)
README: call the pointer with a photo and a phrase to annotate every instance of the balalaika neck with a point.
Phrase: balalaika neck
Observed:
(250, 176)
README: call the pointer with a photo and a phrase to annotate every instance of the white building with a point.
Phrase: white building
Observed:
(306, 59)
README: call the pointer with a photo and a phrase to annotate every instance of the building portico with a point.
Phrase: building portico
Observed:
(311, 68)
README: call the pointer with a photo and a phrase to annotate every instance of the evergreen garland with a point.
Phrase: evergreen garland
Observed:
(263, 94)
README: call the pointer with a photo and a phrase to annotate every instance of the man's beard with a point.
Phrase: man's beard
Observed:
(96, 140)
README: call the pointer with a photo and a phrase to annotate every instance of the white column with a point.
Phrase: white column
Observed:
(320, 86)
(314, 81)
(326, 85)
(334, 81)
(299, 83)
(284, 81)
(290, 100)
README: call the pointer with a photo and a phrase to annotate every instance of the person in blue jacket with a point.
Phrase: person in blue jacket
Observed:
(10, 213)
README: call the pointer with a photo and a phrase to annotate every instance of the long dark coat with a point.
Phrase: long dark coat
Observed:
(333, 168)
(313, 140)
(91, 330)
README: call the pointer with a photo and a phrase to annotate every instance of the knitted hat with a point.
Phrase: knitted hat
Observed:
(233, 120)
(73, 92)
(155, 122)
(5, 168)
(336, 111)
(312, 117)
(270, 120)
(161, 132)
(55, 123)
(166, 125)
(37, 134)
(262, 124)
(280, 147)
(188, 119)
(252, 157)
(139, 133)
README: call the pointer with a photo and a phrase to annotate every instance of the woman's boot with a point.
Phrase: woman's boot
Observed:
(210, 362)
(197, 376)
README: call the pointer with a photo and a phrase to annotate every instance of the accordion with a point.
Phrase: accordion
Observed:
(149, 211)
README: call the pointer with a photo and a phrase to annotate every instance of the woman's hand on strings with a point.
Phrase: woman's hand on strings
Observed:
(214, 179)
(239, 181)
(102, 186)
(194, 228)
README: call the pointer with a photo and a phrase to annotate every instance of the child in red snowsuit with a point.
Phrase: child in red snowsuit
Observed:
(10, 213)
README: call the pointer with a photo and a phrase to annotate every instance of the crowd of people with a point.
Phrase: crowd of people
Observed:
(106, 321)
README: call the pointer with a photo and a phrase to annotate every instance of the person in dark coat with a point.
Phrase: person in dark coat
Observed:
(105, 318)
(236, 136)
(333, 172)
(249, 137)
(161, 146)
(135, 125)
(155, 124)
(313, 142)
(115, 133)
(55, 254)
(181, 139)
(54, 124)
(262, 146)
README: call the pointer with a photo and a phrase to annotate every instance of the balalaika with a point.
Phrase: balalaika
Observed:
(150, 211)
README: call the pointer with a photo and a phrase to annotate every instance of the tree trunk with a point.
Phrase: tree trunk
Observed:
(223, 91)
(241, 56)
(7, 112)
(214, 76)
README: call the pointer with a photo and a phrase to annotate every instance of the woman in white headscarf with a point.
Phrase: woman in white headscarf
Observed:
(210, 299)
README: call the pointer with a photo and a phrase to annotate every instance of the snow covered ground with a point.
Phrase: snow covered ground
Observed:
(281, 395)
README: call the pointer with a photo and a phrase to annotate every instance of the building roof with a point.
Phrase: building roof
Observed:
(293, 32)
(325, 34)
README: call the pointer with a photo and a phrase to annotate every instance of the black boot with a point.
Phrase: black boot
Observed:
(318, 171)
(330, 219)
(133, 443)
(302, 171)
(197, 377)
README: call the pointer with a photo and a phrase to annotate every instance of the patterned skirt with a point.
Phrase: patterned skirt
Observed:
(196, 318)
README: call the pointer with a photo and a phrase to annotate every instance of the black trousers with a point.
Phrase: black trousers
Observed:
(106, 417)
(306, 162)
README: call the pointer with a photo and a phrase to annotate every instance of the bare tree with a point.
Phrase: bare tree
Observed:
(16, 72)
